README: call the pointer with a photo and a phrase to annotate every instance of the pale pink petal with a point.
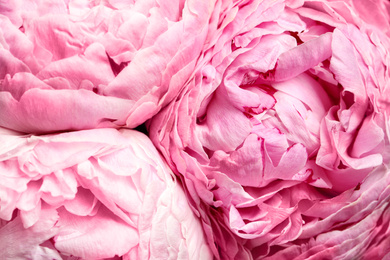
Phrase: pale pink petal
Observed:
(29, 239)
(83, 235)
(83, 204)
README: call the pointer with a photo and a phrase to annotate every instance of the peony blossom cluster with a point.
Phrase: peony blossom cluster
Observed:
(282, 136)
(93, 194)
(105, 63)
(267, 129)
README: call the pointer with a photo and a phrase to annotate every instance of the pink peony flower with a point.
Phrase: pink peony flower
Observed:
(80, 64)
(282, 137)
(92, 194)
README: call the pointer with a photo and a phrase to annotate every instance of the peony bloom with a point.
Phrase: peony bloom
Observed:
(282, 136)
(80, 64)
(92, 194)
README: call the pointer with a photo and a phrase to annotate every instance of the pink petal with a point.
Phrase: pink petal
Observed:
(30, 238)
(243, 165)
(292, 161)
(301, 58)
(60, 116)
(84, 203)
(224, 120)
(83, 236)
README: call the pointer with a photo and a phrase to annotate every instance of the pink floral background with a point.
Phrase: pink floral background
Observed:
(194, 129)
